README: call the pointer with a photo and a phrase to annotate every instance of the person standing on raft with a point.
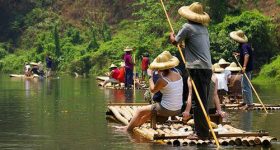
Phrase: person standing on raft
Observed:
(246, 61)
(197, 53)
(145, 65)
(170, 84)
(129, 64)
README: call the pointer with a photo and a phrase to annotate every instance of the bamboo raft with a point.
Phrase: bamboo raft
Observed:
(23, 76)
(257, 106)
(101, 80)
(178, 133)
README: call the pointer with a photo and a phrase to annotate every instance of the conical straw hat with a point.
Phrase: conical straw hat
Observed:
(113, 66)
(223, 62)
(127, 49)
(239, 36)
(233, 67)
(217, 68)
(195, 13)
(164, 61)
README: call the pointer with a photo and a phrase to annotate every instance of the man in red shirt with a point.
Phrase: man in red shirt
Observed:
(114, 74)
(145, 65)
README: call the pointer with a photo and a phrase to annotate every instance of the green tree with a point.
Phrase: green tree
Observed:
(56, 41)
(259, 29)
(93, 44)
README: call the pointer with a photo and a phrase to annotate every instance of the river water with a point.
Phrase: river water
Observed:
(68, 113)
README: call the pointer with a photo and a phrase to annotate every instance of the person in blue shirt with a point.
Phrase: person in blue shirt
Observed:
(246, 60)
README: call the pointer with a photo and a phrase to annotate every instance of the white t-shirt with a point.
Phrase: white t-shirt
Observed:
(223, 80)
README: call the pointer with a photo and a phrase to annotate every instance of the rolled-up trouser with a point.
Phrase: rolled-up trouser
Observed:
(246, 89)
(128, 77)
(201, 78)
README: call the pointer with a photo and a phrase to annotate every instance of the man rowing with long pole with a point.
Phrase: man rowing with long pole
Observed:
(197, 52)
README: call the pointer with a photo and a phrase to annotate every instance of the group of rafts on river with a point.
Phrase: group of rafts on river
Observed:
(170, 117)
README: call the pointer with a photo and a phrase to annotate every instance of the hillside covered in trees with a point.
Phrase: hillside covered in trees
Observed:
(86, 36)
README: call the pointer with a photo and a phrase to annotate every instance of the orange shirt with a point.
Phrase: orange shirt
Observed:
(121, 74)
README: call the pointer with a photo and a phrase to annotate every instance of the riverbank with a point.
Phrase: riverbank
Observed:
(270, 73)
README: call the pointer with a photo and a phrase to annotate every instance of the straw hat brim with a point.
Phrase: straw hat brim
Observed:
(224, 63)
(233, 68)
(218, 70)
(185, 12)
(113, 66)
(237, 38)
(34, 64)
(173, 62)
(128, 49)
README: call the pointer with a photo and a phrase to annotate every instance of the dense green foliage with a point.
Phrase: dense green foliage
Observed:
(270, 72)
(259, 30)
(90, 46)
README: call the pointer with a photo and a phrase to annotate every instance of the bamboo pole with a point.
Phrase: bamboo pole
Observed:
(251, 85)
(134, 82)
(192, 82)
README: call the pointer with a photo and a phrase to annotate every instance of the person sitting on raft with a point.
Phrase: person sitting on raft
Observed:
(27, 70)
(113, 77)
(213, 101)
(234, 87)
(171, 86)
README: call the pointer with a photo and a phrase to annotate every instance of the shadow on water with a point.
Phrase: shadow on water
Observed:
(69, 113)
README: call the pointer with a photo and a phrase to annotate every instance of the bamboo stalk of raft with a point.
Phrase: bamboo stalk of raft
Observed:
(127, 104)
(118, 115)
(163, 136)
(172, 135)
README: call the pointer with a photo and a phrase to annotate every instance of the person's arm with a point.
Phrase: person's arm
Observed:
(182, 34)
(216, 99)
(246, 59)
(158, 86)
(111, 74)
(186, 113)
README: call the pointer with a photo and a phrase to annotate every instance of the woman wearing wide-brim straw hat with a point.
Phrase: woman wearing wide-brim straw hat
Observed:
(234, 86)
(170, 84)
(246, 60)
(129, 64)
(197, 55)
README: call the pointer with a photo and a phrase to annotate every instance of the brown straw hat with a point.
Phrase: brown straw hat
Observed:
(223, 62)
(233, 67)
(239, 36)
(195, 13)
(164, 61)
(217, 69)
(127, 49)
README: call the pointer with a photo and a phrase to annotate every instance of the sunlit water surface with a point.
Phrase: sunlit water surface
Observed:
(68, 113)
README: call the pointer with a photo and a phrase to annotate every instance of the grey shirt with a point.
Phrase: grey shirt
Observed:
(197, 50)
